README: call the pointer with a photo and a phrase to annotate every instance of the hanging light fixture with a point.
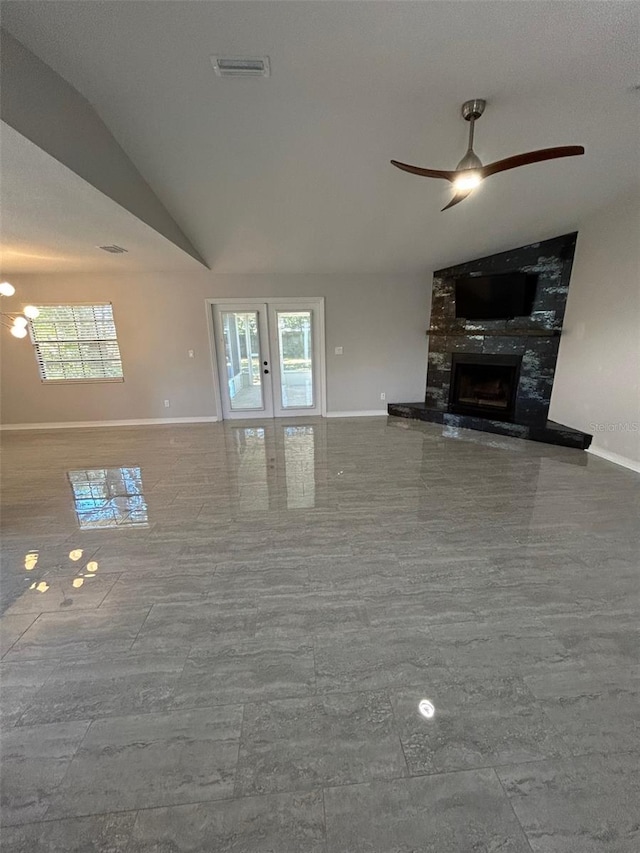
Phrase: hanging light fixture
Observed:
(19, 322)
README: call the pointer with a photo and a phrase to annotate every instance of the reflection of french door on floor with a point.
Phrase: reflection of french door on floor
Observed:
(275, 466)
(269, 357)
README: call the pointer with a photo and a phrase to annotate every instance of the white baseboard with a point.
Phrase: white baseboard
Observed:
(616, 458)
(136, 422)
(371, 413)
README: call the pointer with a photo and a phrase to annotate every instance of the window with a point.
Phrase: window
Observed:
(108, 497)
(76, 343)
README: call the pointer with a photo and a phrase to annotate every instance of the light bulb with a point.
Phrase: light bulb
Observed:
(467, 181)
(31, 311)
(20, 322)
(6, 289)
(18, 332)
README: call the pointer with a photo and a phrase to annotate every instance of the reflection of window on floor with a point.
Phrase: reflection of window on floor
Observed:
(109, 497)
(299, 464)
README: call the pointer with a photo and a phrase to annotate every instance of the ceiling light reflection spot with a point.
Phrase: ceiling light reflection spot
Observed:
(43, 586)
(427, 709)
(77, 582)
(92, 566)
(30, 560)
(75, 554)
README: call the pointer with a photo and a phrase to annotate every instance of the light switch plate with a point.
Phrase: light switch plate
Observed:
(338, 350)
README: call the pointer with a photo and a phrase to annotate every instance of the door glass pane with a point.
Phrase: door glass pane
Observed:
(296, 353)
(242, 358)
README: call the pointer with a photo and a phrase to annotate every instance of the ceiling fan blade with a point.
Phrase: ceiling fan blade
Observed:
(531, 157)
(424, 173)
(458, 197)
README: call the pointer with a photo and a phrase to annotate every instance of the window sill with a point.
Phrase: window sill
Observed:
(80, 381)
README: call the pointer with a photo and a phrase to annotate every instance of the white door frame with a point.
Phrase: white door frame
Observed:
(287, 302)
(228, 412)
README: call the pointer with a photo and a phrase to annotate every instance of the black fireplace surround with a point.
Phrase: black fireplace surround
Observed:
(497, 375)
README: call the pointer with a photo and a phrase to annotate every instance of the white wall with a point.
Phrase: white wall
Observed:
(379, 320)
(596, 387)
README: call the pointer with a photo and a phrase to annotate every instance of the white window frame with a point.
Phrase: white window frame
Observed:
(83, 380)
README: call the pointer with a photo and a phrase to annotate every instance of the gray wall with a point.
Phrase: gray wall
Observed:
(40, 105)
(596, 386)
(379, 320)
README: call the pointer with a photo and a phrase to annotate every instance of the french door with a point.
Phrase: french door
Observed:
(269, 357)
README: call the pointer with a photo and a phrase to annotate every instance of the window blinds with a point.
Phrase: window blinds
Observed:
(76, 342)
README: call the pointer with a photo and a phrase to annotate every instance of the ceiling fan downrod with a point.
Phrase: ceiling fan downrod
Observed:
(471, 112)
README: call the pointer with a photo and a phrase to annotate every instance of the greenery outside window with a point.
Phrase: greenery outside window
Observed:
(76, 343)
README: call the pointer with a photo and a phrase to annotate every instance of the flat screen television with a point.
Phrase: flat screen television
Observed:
(495, 297)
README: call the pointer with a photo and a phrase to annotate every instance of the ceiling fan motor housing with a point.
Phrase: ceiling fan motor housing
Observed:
(472, 110)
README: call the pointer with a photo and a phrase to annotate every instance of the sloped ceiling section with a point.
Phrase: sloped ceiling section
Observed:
(42, 107)
(54, 221)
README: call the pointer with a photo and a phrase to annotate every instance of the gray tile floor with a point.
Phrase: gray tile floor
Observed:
(215, 638)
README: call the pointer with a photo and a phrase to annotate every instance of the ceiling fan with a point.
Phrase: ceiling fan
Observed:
(469, 173)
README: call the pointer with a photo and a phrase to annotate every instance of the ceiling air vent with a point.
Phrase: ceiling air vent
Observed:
(113, 250)
(241, 66)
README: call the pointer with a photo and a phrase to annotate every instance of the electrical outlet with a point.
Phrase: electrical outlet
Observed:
(166, 404)
(383, 395)
(338, 350)
(190, 353)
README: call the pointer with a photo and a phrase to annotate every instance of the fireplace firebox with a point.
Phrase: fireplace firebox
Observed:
(484, 385)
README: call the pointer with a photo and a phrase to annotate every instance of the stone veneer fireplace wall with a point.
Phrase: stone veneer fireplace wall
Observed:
(533, 341)
(535, 338)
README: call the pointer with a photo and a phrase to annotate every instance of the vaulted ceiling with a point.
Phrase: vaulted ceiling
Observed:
(54, 221)
(291, 173)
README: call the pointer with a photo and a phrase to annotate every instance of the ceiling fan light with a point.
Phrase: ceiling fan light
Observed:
(467, 181)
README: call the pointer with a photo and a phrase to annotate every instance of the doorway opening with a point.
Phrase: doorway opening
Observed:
(268, 357)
